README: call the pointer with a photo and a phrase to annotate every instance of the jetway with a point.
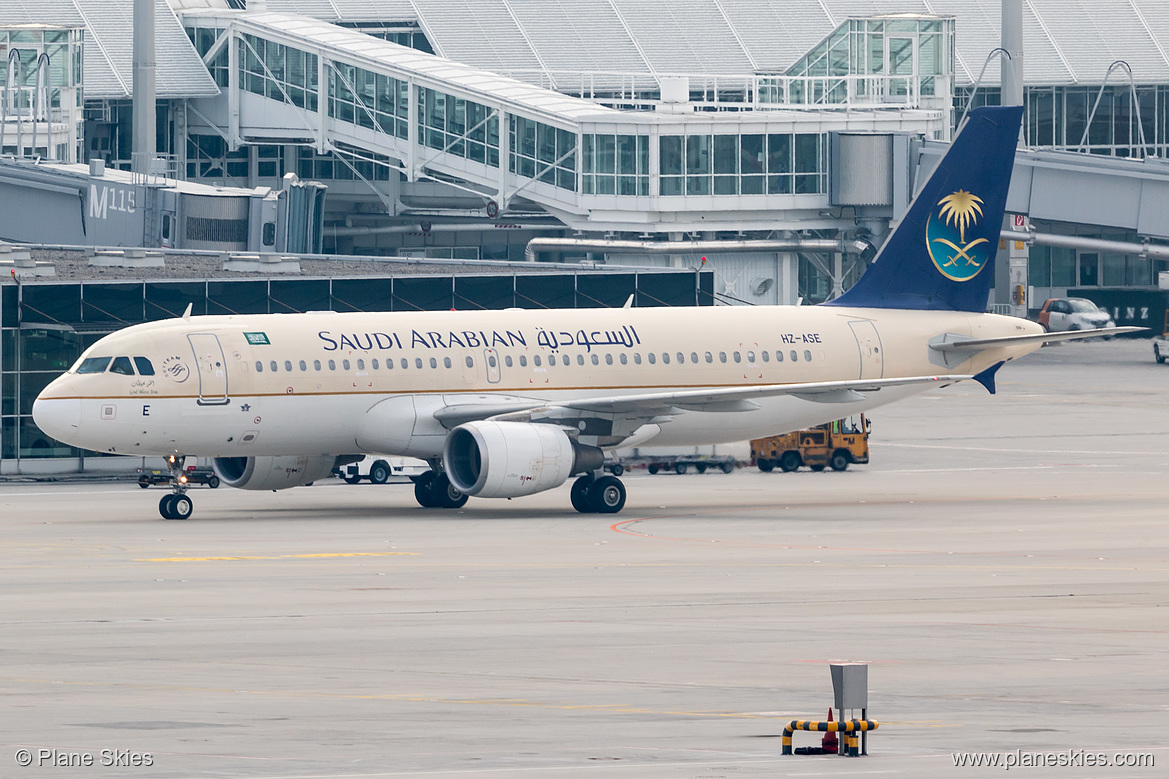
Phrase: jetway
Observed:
(94, 206)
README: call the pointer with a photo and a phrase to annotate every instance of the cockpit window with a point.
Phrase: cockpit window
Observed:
(145, 368)
(93, 365)
(122, 365)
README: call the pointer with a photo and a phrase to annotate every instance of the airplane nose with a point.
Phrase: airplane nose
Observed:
(58, 417)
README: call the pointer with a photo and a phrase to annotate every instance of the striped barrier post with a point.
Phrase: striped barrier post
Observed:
(849, 728)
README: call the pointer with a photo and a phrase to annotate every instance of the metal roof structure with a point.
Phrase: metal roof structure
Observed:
(108, 46)
(1066, 41)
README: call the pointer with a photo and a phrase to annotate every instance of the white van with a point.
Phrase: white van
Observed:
(383, 470)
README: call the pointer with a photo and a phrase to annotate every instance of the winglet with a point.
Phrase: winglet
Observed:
(986, 378)
(187, 313)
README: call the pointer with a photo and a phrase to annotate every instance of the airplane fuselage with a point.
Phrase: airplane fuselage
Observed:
(283, 384)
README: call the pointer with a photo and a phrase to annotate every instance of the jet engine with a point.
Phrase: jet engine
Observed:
(272, 473)
(510, 459)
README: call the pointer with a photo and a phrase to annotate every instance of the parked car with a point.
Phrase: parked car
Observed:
(1060, 314)
(381, 470)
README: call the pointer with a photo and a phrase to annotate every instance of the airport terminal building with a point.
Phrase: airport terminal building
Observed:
(758, 150)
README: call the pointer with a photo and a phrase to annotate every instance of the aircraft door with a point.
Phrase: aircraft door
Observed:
(212, 369)
(869, 345)
(491, 360)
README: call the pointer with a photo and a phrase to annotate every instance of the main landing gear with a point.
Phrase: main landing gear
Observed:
(178, 504)
(433, 490)
(598, 494)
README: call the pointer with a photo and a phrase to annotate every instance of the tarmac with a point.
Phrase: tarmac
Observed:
(1002, 565)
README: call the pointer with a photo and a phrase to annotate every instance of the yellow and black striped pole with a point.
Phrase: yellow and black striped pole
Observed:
(849, 728)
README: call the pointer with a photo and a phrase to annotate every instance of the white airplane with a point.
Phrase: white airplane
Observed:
(509, 403)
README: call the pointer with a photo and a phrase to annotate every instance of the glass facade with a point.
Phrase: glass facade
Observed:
(278, 72)
(615, 164)
(900, 60)
(203, 39)
(370, 100)
(1057, 116)
(749, 164)
(458, 126)
(40, 78)
(542, 152)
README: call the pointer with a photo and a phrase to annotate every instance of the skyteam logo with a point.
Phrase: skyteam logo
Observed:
(945, 237)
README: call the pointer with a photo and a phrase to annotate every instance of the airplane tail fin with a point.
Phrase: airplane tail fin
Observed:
(941, 255)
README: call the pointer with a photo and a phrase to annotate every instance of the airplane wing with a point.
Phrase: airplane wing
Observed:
(977, 344)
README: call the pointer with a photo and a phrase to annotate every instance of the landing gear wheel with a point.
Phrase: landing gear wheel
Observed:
(444, 494)
(839, 461)
(727, 467)
(607, 495)
(422, 492)
(680, 468)
(379, 473)
(164, 506)
(764, 464)
(700, 467)
(579, 495)
(789, 461)
(181, 507)
(351, 478)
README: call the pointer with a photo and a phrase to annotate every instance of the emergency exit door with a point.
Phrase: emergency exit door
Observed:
(212, 369)
(869, 345)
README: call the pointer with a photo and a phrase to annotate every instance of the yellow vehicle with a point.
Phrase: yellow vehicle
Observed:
(835, 444)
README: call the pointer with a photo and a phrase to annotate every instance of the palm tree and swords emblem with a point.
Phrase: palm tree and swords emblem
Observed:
(959, 210)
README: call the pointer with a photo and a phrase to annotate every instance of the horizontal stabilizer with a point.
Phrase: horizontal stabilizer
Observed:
(978, 344)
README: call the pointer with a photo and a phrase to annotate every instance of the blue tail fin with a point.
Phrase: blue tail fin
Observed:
(941, 256)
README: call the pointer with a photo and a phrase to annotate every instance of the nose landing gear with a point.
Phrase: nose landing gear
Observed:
(178, 504)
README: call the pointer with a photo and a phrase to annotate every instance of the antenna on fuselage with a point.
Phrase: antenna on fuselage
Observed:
(187, 313)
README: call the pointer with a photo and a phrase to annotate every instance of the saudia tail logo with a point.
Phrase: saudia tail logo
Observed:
(945, 237)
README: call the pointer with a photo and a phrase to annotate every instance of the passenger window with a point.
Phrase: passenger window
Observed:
(471, 363)
(694, 357)
(446, 362)
(433, 363)
(580, 359)
(418, 363)
(665, 358)
(122, 365)
(332, 365)
(405, 363)
(637, 358)
(303, 366)
(750, 356)
(738, 357)
(681, 358)
(288, 365)
(778, 356)
(653, 358)
(596, 360)
(273, 366)
(345, 364)
(608, 359)
(722, 356)
(259, 367)
(766, 356)
(795, 357)
(316, 365)
(375, 364)
(507, 360)
(93, 365)
(523, 361)
(361, 365)
(145, 368)
(709, 357)
(536, 360)
(624, 358)
(807, 356)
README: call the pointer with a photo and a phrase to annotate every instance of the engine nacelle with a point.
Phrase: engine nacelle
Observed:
(272, 473)
(510, 459)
